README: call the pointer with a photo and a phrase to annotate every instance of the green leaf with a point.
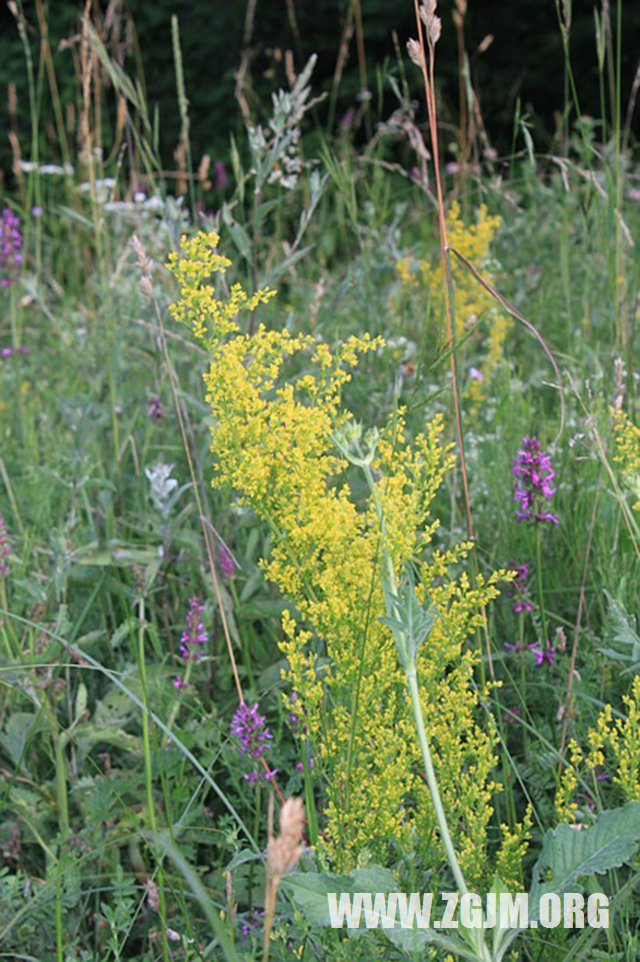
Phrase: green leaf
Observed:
(87, 735)
(274, 275)
(16, 734)
(242, 857)
(124, 632)
(310, 889)
(569, 854)
(406, 617)
(239, 235)
(81, 701)
(621, 628)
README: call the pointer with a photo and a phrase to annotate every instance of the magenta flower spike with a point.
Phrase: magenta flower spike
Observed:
(4, 549)
(518, 590)
(10, 247)
(534, 476)
(546, 653)
(194, 634)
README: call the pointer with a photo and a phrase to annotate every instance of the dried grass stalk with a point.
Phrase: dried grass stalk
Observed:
(283, 853)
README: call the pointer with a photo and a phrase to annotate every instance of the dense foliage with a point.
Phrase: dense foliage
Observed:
(319, 508)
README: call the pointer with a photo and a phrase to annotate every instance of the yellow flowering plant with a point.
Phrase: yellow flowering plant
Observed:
(612, 752)
(278, 439)
(471, 301)
(627, 453)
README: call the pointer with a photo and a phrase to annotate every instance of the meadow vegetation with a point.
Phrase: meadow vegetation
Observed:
(319, 518)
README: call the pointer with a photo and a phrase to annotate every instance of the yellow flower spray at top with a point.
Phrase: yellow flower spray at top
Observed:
(470, 299)
(276, 403)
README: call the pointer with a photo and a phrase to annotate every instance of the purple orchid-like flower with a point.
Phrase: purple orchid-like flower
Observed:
(518, 589)
(155, 408)
(225, 561)
(11, 256)
(534, 476)
(194, 634)
(546, 653)
(249, 727)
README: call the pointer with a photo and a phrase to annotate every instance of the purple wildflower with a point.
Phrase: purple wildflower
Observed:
(515, 647)
(252, 923)
(220, 176)
(36, 211)
(194, 634)
(10, 247)
(542, 654)
(225, 560)
(249, 727)
(155, 408)
(511, 715)
(300, 765)
(179, 684)
(10, 351)
(534, 475)
(346, 121)
(4, 548)
(518, 590)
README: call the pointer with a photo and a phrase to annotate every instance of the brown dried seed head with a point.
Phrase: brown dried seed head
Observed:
(283, 852)
(415, 54)
(619, 371)
(435, 29)
(146, 287)
(204, 167)
(153, 896)
(561, 639)
(292, 817)
(427, 10)
(431, 22)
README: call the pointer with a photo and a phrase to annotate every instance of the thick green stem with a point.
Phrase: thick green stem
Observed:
(432, 782)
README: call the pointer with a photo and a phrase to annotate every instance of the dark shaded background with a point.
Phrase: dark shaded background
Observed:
(525, 61)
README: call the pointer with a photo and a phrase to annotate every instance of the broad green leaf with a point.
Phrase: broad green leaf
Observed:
(621, 629)
(81, 701)
(16, 734)
(239, 235)
(310, 890)
(569, 854)
(87, 735)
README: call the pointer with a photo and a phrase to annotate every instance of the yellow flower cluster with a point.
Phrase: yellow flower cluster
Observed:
(613, 743)
(202, 311)
(470, 300)
(627, 455)
(474, 242)
(511, 855)
(276, 402)
(403, 267)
